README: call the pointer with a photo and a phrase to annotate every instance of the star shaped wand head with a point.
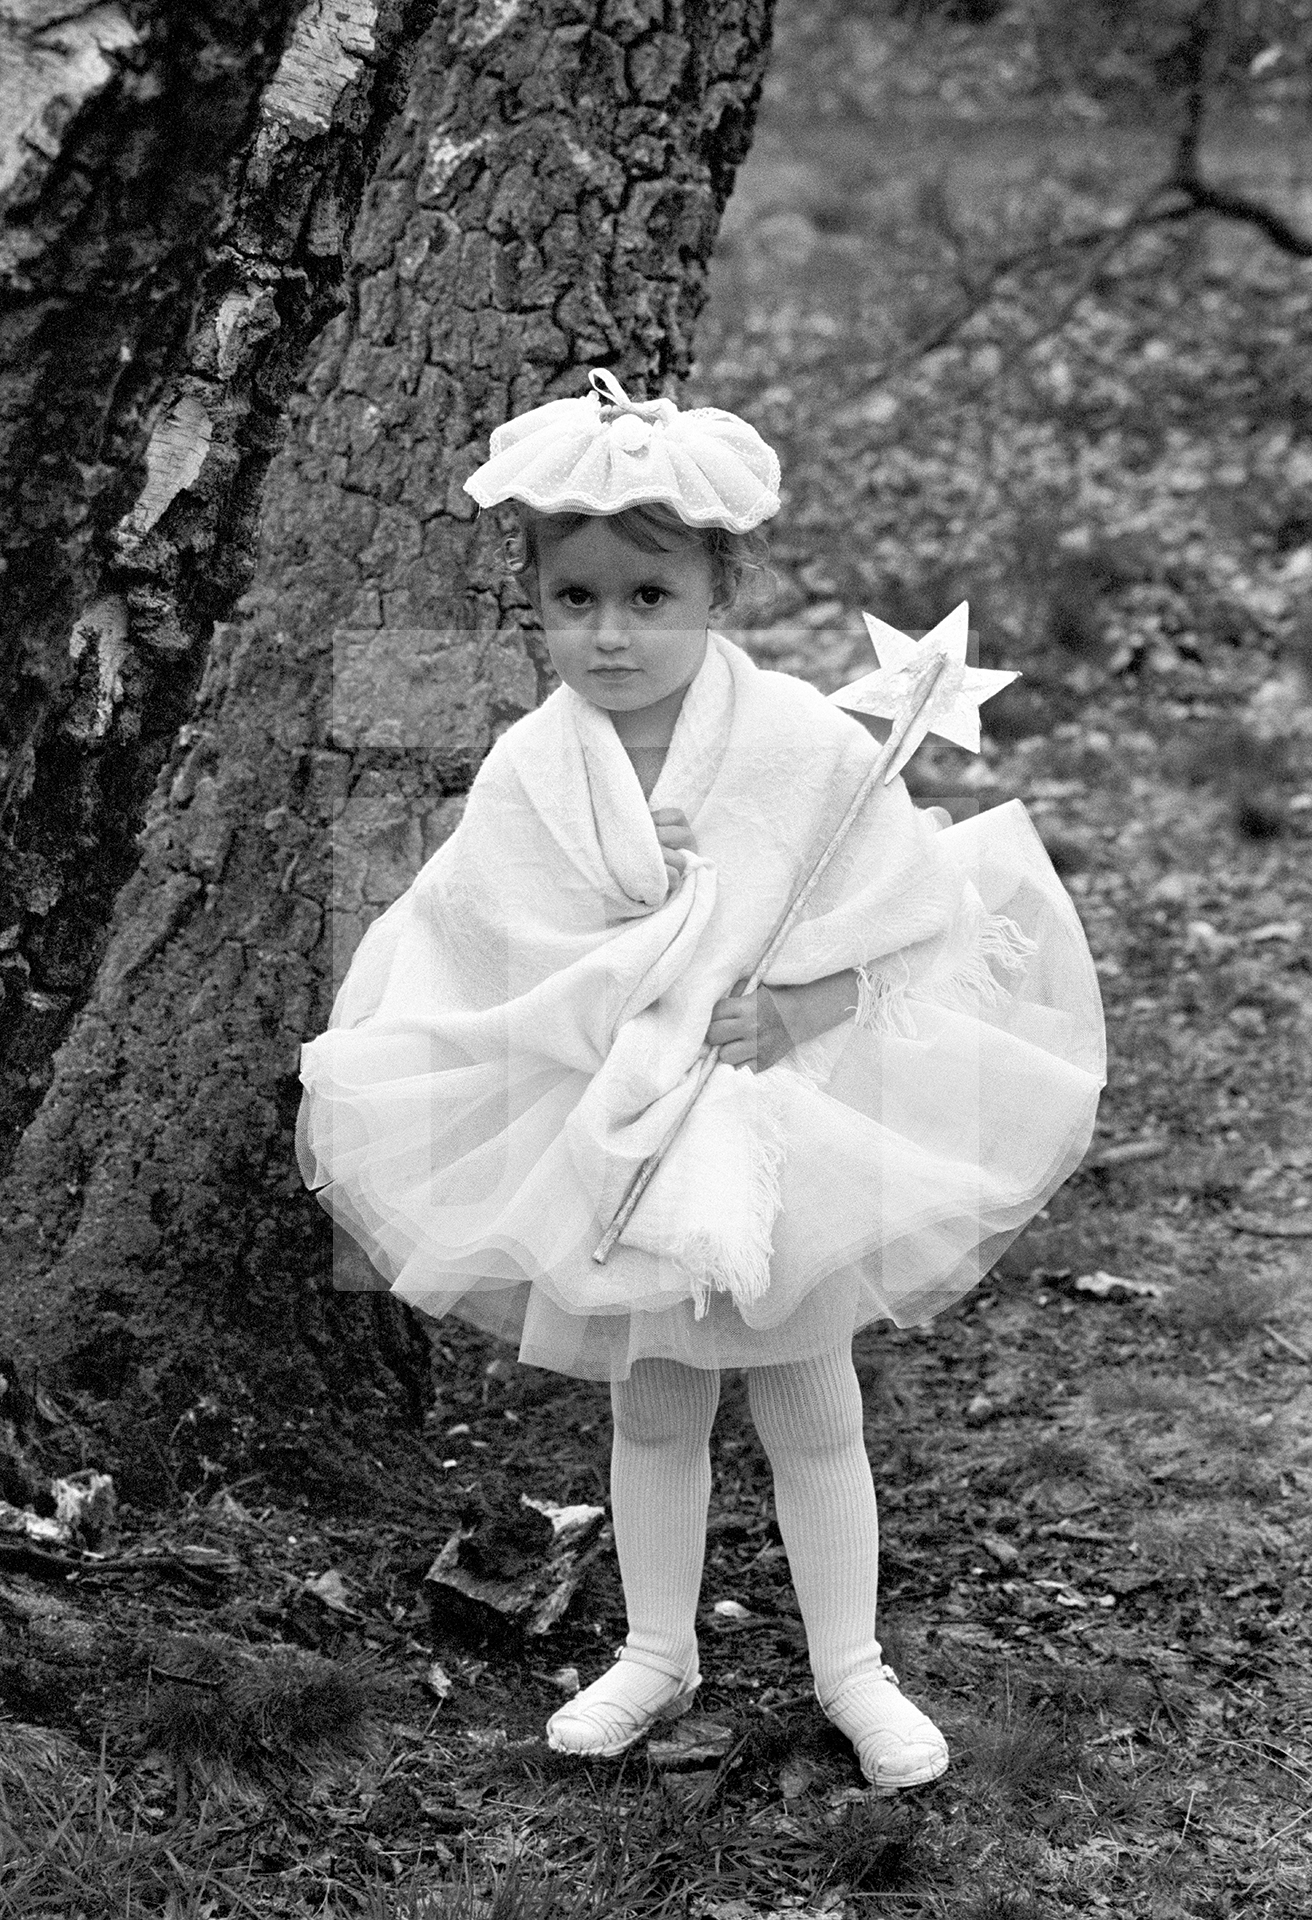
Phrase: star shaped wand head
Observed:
(892, 693)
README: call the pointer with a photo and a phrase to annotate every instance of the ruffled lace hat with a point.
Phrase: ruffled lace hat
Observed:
(604, 452)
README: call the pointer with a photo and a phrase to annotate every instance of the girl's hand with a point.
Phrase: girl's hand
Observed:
(748, 1030)
(675, 836)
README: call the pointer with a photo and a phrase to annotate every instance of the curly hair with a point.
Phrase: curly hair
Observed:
(651, 529)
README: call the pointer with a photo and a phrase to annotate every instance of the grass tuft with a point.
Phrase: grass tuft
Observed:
(217, 1709)
(1022, 1750)
(518, 1891)
(873, 1844)
(998, 1903)
(1133, 1392)
(1070, 1691)
(1052, 1458)
(1230, 1303)
(772, 1739)
(1207, 1541)
(69, 1848)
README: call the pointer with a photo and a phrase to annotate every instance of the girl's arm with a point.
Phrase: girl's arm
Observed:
(757, 1029)
(814, 1006)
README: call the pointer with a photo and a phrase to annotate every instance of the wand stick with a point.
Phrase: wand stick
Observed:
(886, 768)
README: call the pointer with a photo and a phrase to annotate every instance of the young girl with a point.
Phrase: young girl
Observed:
(522, 1028)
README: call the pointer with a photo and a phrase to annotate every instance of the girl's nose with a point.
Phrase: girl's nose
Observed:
(612, 628)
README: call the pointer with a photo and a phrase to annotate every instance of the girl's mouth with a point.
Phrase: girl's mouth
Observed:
(612, 673)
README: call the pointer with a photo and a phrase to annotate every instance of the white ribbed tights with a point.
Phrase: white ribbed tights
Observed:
(808, 1414)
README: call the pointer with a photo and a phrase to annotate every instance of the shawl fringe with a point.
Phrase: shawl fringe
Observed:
(971, 982)
(740, 1266)
(966, 981)
(881, 1005)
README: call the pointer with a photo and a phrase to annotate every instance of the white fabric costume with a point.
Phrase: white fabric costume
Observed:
(517, 1033)
(520, 1029)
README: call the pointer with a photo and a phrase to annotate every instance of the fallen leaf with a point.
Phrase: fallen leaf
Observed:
(1065, 1595)
(438, 1680)
(1103, 1285)
(1000, 1550)
(1129, 1150)
(1202, 937)
(565, 1520)
(705, 1909)
(86, 1503)
(330, 1588)
(797, 1778)
(25, 1521)
(49, 1409)
(846, 1796)
(693, 1743)
(228, 1508)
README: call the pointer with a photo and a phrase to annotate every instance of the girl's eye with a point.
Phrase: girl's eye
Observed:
(651, 596)
(575, 597)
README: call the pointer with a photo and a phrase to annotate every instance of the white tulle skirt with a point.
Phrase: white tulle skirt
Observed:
(913, 1157)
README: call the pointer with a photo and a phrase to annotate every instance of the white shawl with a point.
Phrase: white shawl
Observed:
(520, 1030)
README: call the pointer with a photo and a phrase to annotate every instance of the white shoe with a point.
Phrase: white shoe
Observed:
(618, 1709)
(897, 1745)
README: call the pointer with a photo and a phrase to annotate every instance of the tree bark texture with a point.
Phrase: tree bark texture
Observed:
(177, 186)
(548, 200)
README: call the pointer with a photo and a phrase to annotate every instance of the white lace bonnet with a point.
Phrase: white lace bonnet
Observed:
(604, 452)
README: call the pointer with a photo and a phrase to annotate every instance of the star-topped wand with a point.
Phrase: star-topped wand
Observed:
(903, 662)
(923, 687)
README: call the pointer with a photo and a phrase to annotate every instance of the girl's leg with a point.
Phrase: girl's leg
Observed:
(660, 1487)
(808, 1414)
(660, 1479)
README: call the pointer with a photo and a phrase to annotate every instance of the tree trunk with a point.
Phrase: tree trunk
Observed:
(548, 199)
(177, 186)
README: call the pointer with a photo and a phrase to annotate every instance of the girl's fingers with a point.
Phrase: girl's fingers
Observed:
(672, 828)
(733, 1031)
(725, 1033)
(732, 1009)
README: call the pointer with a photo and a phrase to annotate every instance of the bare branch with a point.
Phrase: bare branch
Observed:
(1229, 204)
(1106, 242)
(1179, 196)
(1197, 195)
(1196, 56)
(1141, 216)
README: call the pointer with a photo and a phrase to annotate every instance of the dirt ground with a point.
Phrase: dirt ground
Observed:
(1095, 1476)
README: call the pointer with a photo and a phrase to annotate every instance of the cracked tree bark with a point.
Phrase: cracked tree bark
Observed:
(177, 186)
(548, 199)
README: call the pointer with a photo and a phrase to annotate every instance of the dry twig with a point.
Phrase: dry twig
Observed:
(1180, 195)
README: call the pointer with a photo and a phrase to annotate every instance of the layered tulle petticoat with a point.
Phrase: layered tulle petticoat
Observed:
(519, 1030)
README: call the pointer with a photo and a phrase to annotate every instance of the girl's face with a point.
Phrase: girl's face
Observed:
(625, 629)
